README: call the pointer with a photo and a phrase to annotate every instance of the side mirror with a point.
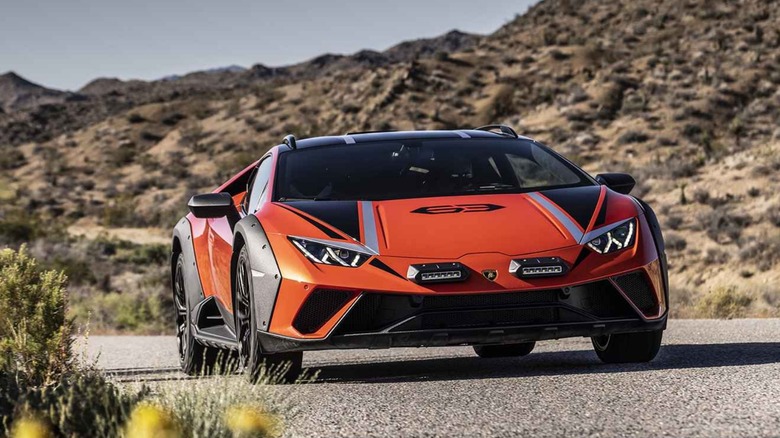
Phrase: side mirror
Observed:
(211, 205)
(619, 182)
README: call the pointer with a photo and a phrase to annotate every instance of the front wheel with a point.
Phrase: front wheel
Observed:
(505, 350)
(628, 347)
(279, 367)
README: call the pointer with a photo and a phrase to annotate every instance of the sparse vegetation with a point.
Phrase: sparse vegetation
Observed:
(43, 389)
(35, 331)
(723, 302)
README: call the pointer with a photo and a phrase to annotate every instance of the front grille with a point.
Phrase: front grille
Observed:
(638, 290)
(490, 300)
(321, 305)
(375, 312)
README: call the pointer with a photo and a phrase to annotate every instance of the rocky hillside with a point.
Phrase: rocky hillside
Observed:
(684, 94)
(17, 93)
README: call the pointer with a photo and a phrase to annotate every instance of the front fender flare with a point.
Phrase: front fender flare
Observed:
(264, 270)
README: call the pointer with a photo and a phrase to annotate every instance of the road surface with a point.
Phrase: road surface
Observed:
(712, 378)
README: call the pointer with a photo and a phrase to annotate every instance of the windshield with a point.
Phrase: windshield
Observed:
(421, 168)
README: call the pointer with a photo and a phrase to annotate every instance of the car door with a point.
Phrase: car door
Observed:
(221, 234)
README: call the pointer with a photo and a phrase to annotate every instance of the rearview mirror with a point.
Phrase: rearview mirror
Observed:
(211, 205)
(619, 182)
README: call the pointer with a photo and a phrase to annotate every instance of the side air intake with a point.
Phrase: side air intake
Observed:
(637, 288)
(321, 305)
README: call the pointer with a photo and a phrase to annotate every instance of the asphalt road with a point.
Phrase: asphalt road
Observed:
(712, 378)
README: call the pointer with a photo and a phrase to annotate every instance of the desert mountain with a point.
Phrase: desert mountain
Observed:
(684, 94)
(17, 93)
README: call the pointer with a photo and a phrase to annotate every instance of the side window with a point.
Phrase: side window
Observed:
(259, 184)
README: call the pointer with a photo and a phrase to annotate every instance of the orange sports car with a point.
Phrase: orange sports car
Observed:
(474, 237)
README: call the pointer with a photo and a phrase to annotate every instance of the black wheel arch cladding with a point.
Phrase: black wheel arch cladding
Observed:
(264, 274)
(658, 239)
(182, 244)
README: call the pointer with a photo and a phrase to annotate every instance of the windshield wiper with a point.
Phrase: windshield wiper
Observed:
(494, 186)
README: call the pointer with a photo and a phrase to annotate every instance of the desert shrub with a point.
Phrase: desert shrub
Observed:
(146, 310)
(135, 118)
(773, 216)
(78, 271)
(722, 224)
(502, 104)
(701, 196)
(11, 158)
(172, 119)
(146, 255)
(121, 212)
(723, 303)
(674, 221)
(692, 131)
(675, 242)
(151, 136)
(35, 333)
(633, 137)
(17, 229)
(763, 250)
(610, 101)
(82, 403)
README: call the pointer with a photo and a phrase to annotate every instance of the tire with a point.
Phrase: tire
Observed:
(628, 347)
(505, 350)
(194, 358)
(259, 366)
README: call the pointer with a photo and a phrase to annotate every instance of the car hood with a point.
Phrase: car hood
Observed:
(450, 227)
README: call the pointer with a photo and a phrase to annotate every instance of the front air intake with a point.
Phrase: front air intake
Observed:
(321, 305)
(637, 289)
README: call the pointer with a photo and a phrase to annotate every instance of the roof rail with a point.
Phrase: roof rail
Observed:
(505, 130)
(371, 132)
(289, 140)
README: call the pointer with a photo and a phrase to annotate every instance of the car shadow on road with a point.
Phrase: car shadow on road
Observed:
(550, 364)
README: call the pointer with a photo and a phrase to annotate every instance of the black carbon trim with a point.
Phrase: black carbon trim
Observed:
(378, 264)
(328, 232)
(602, 211)
(342, 215)
(264, 287)
(579, 202)
(584, 252)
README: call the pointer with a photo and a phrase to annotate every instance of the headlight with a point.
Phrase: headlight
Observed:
(332, 253)
(620, 237)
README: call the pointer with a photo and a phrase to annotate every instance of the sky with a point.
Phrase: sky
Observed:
(66, 43)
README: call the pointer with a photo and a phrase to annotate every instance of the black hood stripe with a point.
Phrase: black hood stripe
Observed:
(341, 215)
(328, 232)
(378, 264)
(578, 202)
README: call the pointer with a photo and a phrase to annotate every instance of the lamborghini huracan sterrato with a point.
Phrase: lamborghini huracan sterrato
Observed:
(474, 237)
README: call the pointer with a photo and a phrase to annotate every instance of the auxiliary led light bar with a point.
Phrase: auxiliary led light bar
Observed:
(437, 273)
(538, 267)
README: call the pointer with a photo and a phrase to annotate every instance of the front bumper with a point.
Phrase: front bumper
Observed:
(385, 320)
(450, 337)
